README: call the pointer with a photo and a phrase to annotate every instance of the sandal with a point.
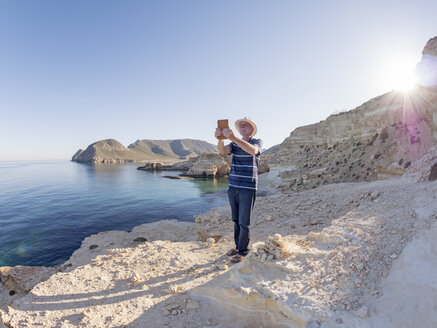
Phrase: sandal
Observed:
(237, 258)
(232, 252)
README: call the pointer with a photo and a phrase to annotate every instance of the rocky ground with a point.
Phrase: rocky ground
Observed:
(342, 255)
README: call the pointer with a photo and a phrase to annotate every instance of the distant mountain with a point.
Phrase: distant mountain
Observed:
(112, 151)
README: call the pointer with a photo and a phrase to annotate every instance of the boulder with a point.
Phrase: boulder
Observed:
(210, 165)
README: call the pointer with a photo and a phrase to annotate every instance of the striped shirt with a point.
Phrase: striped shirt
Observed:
(244, 167)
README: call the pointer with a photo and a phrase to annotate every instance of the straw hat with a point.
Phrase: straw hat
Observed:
(248, 120)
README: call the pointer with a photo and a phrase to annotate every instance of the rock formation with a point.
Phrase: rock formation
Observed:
(112, 151)
(180, 149)
(178, 166)
(21, 279)
(426, 69)
(210, 165)
(378, 139)
(76, 155)
(106, 151)
(207, 165)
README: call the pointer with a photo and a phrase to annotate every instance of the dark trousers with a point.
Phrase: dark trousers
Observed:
(241, 201)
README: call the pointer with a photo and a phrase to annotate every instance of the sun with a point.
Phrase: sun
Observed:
(399, 75)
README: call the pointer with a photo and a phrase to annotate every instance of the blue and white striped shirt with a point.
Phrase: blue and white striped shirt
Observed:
(244, 167)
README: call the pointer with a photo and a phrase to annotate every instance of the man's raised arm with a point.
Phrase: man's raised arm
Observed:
(223, 150)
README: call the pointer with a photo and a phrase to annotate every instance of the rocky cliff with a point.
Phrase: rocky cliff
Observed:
(426, 70)
(377, 140)
(112, 151)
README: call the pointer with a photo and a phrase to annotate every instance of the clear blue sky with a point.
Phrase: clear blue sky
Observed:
(74, 72)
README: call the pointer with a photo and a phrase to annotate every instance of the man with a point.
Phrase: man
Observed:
(243, 180)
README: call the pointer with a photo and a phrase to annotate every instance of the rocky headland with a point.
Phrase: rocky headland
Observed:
(112, 151)
(206, 165)
(345, 237)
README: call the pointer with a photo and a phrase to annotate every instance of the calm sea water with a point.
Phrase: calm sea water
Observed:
(48, 207)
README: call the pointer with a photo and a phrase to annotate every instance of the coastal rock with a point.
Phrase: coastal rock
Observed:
(155, 166)
(112, 151)
(22, 279)
(76, 155)
(430, 47)
(179, 149)
(206, 165)
(174, 166)
(215, 165)
(105, 151)
(426, 69)
(377, 140)
(210, 165)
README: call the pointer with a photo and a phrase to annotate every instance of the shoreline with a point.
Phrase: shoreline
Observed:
(80, 201)
(179, 275)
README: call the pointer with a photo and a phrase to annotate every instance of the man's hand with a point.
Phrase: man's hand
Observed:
(228, 133)
(218, 132)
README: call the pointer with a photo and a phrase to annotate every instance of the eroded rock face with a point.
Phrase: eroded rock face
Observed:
(430, 47)
(210, 165)
(206, 165)
(426, 69)
(425, 169)
(76, 155)
(155, 166)
(159, 166)
(112, 151)
(21, 279)
(433, 173)
(106, 151)
(377, 140)
(264, 163)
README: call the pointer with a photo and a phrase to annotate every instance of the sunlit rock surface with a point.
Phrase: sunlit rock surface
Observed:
(210, 165)
(426, 69)
(377, 140)
(320, 257)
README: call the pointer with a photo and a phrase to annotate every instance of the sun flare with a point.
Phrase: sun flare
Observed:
(400, 75)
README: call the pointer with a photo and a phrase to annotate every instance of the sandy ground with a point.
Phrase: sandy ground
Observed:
(342, 255)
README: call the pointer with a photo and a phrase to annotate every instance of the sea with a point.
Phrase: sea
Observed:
(48, 207)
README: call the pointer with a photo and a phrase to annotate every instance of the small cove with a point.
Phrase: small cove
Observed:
(48, 207)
